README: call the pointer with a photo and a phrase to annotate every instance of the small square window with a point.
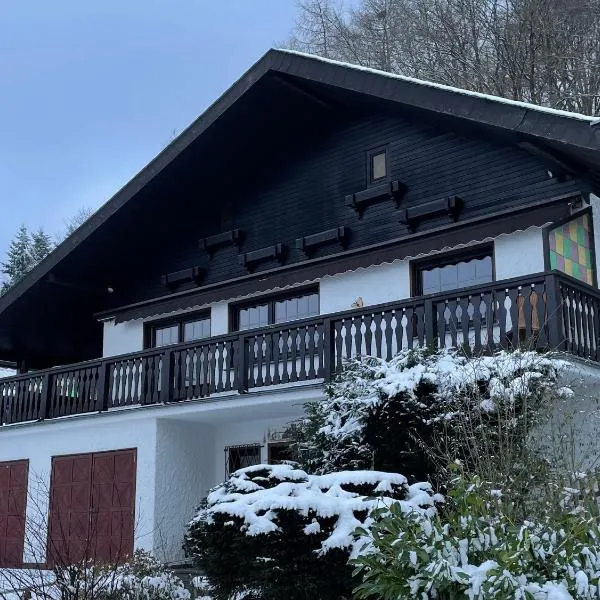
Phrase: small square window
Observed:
(238, 457)
(378, 166)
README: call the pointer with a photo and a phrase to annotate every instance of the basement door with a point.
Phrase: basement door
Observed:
(13, 505)
(92, 507)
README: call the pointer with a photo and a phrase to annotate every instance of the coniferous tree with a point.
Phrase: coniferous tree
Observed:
(18, 258)
(41, 246)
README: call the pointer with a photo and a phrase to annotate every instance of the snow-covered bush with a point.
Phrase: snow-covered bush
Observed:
(141, 578)
(413, 413)
(477, 548)
(274, 532)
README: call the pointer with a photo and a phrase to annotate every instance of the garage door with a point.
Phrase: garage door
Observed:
(92, 507)
(13, 503)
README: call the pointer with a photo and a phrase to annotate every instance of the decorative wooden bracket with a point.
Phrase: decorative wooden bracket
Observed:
(228, 238)
(452, 205)
(394, 190)
(249, 260)
(177, 278)
(310, 243)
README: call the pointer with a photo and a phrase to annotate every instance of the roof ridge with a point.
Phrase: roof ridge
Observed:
(593, 120)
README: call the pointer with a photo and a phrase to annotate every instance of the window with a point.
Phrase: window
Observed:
(377, 165)
(281, 309)
(238, 457)
(454, 273)
(279, 452)
(177, 331)
(570, 248)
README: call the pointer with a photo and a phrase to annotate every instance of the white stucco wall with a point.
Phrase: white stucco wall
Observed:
(39, 443)
(219, 318)
(184, 473)
(123, 338)
(519, 253)
(375, 285)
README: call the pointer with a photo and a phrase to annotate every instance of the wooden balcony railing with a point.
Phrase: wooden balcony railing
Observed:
(542, 311)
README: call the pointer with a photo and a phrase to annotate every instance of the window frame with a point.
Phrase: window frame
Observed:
(370, 155)
(179, 320)
(270, 300)
(445, 258)
(236, 447)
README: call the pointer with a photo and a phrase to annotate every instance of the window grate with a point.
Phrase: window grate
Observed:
(238, 457)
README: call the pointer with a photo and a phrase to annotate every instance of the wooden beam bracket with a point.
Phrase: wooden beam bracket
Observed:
(452, 205)
(177, 278)
(227, 238)
(308, 244)
(391, 190)
(249, 260)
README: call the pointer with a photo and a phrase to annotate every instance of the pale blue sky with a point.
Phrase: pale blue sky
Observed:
(91, 90)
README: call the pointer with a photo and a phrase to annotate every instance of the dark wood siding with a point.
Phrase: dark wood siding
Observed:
(304, 191)
(13, 505)
(92, 504)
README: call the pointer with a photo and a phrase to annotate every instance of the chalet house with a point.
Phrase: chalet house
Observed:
(316, 211)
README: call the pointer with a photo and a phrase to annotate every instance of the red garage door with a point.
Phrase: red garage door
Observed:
(92, 507)
(13, 504)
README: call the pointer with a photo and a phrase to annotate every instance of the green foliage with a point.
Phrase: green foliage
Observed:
(288, 534)
(415, 413)
(477, 547)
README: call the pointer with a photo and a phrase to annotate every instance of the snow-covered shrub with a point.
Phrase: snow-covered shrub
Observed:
(413, 413)
(477, 548)
(141, 578)
(274, 532)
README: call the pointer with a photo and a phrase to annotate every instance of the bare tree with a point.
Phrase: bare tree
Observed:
(541, 51)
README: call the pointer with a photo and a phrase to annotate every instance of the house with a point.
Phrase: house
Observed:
(315, 212)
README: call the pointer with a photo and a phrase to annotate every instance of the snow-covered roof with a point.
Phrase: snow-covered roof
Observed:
(440, 86)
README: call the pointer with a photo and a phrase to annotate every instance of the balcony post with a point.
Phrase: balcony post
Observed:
(554, 312)
(45, 397)
(166, 377)
(242, 365)
(429, 328)
(328, 349)
(102, 386)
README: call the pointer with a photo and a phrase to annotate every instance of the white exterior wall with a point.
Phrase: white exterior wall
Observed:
(219, 318)
(184, 473)
(123, 338)
(38, 443)
(375, 285)
(520, 253)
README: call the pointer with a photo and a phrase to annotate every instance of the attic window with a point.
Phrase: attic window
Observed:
(377, 165)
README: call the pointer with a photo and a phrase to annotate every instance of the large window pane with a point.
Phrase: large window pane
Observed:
(301, 307)
(254, 316)
(456, 275)
(278, 310)
(166, 335)
(196, 330)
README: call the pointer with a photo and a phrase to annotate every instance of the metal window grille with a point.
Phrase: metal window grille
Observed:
(238, 457)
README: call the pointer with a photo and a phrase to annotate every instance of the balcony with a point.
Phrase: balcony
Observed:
(542, 311)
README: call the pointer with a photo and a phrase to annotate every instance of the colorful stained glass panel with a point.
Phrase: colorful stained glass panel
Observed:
(571, 249)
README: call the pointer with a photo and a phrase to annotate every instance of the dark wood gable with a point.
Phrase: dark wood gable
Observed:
(275, 159)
